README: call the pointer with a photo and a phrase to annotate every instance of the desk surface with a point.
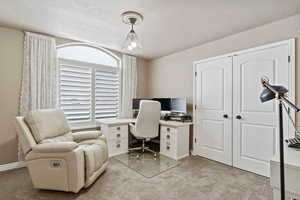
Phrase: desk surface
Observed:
(174, 123)
(127, 121)
(291, 157)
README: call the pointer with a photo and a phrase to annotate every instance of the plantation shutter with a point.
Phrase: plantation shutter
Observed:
(106, 93)
(76, 91)
(88, 91)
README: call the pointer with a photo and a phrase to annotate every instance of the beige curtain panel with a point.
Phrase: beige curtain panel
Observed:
(39, 76)
(129, 85)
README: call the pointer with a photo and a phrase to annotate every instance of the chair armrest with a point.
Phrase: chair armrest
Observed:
(55, 147)
(132, 128)
(86, 135)
(132, 125)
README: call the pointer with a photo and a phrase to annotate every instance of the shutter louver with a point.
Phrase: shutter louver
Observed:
(76, 92)
(106, 94)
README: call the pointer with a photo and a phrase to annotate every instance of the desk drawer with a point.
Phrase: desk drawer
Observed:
(168, 136)
(119, 128)
(117, 146)
(167, 148)
(117, 132)
(167, 129)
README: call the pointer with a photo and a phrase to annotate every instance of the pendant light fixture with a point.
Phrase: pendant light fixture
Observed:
(132, 41)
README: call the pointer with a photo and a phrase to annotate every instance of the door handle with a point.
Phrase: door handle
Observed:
(238, 117)
(225, 116)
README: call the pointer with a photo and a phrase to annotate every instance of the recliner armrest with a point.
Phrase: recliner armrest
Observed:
(55, 147)
(86, 135)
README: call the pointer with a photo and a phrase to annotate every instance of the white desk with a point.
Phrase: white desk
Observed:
(174, 137)
(292, 174)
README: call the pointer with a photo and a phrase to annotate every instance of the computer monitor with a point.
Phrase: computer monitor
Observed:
(167, 104)
(178, 105)
(164, 102)
(136, 104)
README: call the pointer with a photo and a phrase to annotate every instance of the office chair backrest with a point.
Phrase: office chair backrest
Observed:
(147, 122)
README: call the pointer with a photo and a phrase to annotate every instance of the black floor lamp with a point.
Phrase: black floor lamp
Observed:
(279, 93)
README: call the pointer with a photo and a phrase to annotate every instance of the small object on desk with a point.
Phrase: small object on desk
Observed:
(293, 143)
(180, 117)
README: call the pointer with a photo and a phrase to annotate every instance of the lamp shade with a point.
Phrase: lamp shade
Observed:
(132, 41)
(267, 94)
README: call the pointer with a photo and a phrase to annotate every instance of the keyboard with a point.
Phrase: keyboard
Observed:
(293, 142)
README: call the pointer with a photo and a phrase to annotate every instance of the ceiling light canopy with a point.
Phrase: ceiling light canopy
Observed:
(132, 41)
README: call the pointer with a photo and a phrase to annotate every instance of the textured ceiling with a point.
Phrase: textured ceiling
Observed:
(169, 25)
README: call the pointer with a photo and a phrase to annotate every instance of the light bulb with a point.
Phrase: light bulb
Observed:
(131, 41)
(129, 47)
(133, 44)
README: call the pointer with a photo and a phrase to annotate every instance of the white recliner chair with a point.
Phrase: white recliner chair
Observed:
(58, 159)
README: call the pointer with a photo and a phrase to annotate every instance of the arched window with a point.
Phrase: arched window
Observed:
(89, 79)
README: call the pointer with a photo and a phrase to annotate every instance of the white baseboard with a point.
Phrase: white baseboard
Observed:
(183, 156)
(13, 165)
(193, 153)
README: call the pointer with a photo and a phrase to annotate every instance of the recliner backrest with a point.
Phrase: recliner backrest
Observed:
(147, 122)
(47, 123)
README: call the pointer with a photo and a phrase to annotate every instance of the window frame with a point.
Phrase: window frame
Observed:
(93, 66)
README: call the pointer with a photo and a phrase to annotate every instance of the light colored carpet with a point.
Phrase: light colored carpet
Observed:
(195, 178)
(146, 165)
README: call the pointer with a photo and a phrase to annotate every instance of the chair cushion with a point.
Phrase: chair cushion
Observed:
(95, 156)
(101, 142)
(47, 123)
(63, 138)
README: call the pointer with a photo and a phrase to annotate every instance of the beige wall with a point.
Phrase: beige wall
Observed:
(172, 75)
(142, 87)
(11, 59)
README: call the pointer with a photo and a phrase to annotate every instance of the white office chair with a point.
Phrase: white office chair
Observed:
(147, 124)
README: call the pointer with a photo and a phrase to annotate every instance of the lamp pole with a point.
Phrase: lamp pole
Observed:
(279, 93)
(281, 150)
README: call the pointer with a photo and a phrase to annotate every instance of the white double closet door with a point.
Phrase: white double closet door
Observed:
(232, 126)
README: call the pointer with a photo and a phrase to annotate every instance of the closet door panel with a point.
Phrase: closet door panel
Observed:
(214, 101)
(255, 138)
